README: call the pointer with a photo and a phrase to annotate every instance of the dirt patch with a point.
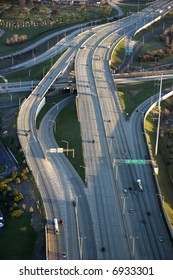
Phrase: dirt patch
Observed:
(135, 92)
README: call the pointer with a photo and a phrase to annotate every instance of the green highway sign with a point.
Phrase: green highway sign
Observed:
(135, 161)
(129, 51)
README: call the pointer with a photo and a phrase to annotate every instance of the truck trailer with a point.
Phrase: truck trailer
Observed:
(56, 226)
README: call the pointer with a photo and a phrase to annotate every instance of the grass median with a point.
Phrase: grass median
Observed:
(68, 129)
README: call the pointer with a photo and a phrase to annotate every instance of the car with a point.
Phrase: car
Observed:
(131, 210)
(61, 222)
(64, 255)
(160, 238)
(139, 184)
(125, 190)
(135, 192)
(83, 47)
(74, 203)
(1, 220)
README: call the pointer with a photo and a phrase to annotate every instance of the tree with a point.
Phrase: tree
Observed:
(16, 213)
(15, 192)
(15, 38)
(18, 197)
(13, 207)
(18, 181)
(26, 170)
(23, 176)
(14, 175)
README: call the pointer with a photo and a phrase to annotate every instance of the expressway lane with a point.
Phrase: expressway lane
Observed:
(72, 188)
(144, 233)
(149, 197)
(99, 167)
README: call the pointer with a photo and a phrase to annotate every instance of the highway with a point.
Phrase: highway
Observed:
(106, 136)
(47, 178)
(107, 220)
(72, 189)
(102, 119)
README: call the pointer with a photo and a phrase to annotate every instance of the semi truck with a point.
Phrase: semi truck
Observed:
(56, 226)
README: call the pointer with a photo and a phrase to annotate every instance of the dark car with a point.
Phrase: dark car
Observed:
(74, 203)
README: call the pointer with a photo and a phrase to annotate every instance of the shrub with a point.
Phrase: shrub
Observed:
(14, 175)
(18, 197)
(13, 207)
(15, 192)
(2, 186)
(15, 39)
(26, 170)
(23, 176)
(16, 213)
(18, 181)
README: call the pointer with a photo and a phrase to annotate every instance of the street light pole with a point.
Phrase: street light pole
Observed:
(81, 247)
(11, 98)
(124, 204)
(76, 199)
(67, 145)
(158, 125)
(54, 125)
(133, 245)
(20, 101)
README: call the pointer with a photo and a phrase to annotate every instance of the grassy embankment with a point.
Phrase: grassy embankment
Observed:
(69, 130)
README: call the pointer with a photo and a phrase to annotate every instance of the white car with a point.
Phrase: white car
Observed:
(83, 47)
(64, 255)
(139, 184)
